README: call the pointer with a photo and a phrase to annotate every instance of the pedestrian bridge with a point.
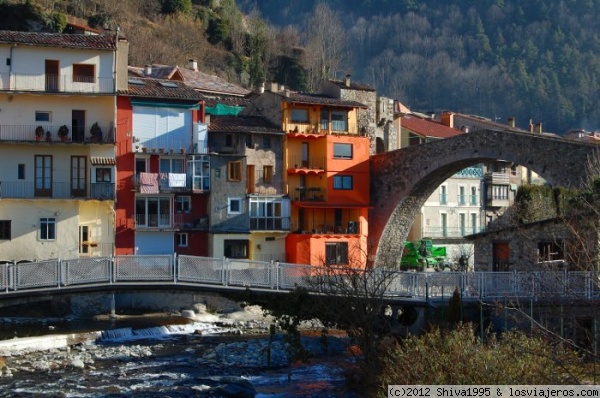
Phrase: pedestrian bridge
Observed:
(50, 278)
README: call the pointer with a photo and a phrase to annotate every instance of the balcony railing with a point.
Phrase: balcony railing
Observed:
(163, 146)
(269, 224)
(189, 221)
(308, 193)
(313, 162)
(56, 83)
(27, 133)
(443, 199)
(451, 232)
(153, 221)
(352, 228)
(162, 182)
(498, 178)
(56, 190)
(462, 200)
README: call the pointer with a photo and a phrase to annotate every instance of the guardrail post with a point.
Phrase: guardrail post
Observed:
(226, 266)
(277, 274)
(175, 267)
(58, 273)
(112, 269)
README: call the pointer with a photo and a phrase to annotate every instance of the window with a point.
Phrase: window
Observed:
(103, 174)
(268, 213)
(474, 223)
(339, 120)
(299, 115)
(182, 239)
(342, 151)
(47, 229)
(336, 253)
(183, 204)
(462, 224)
(78, 176)
(248, 140)
(168, 165)
(267, 174)
(21, 171)
(43, 175)
(499, 192)
(266, 142)
(83, 73)
(473, 196)
(462, 199)
(229, 140)
(550, 251)
(153, 211)
(234, 206)
(234, 171)
(42, 116)
(4, 229)
(236, 248)
(342, 182)
(443, 195)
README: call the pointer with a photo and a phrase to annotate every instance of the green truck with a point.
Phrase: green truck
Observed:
(422, 254)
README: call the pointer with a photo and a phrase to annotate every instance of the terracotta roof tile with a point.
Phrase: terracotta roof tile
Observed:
(243, 124)
(92, 42)
(428, 128)
(161, 89)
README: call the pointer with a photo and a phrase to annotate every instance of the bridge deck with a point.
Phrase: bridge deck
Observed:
(221, 274)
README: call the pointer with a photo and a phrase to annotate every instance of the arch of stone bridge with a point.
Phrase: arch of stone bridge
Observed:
(402, 180)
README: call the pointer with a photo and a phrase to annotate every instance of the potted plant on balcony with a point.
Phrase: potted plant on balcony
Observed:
(96, 132)
(63, 132)
(39, 133)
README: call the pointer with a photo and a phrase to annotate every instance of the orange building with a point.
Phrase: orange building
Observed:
(326, 174)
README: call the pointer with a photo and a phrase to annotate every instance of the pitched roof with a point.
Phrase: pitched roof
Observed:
(243, 124)
(428, 128)
(91, 42)
(318, 99)
(194, 78)
(352, 86)
(160, 88)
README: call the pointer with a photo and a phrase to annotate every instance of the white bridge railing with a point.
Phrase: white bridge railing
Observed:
(167, 270)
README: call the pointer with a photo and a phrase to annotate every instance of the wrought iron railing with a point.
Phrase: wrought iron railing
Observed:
(56, 83)
(165, 270)
(44, 133)
(56, 190)
(451, 232)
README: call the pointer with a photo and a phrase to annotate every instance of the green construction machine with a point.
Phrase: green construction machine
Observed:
(419, 255)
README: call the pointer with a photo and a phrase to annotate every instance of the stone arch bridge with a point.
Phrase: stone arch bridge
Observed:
(402, 180)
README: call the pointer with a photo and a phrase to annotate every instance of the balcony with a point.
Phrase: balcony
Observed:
(49, 134)
(269, 224)
(308, 194)
(451, 232)
(153, 221)
(298, 165)
(56, 83)
(353, 228)
(498, 178)
(56, 190)
(163, 146)
(498, 201)
(187, 221)
(160, 182)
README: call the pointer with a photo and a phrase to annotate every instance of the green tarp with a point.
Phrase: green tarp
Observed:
(223, 110)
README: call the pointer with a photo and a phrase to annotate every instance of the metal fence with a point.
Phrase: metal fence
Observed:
(165, 270)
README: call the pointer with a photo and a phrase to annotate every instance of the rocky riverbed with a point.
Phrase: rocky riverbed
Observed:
(225, 355)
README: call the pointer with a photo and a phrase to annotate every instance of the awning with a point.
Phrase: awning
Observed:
(157, 104)
(102, 161)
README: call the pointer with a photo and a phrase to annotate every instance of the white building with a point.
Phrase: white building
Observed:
(57, 173)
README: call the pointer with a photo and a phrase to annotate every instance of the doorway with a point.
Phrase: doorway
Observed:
(78, 125)
(52, 74)
(501, 256)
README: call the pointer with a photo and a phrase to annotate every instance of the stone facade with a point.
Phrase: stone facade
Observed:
(402, 180)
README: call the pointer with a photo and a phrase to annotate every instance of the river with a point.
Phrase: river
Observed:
(169, 359)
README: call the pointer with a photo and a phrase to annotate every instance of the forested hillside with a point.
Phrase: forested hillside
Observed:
(535, 60)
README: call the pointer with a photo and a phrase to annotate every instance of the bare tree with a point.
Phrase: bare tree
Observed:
(326, 46)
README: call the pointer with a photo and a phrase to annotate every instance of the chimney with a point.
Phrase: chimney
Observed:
(287, 92)
(193, 65)
(261, 88)
(538, 128)
(147, 70)
(447, 119)
(530, 126)
(347, 81)
(274, 87)
(511, 121)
